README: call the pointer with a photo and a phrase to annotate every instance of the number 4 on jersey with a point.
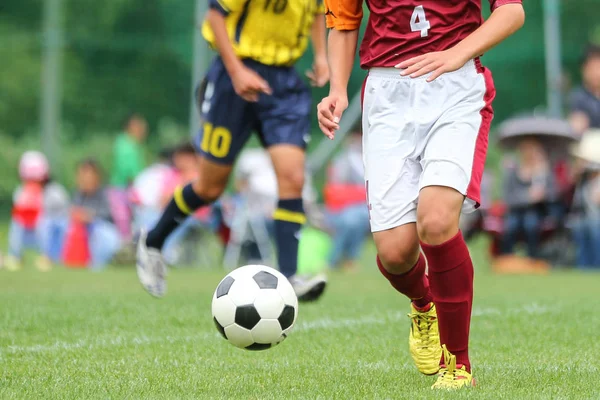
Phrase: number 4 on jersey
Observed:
(418, 21)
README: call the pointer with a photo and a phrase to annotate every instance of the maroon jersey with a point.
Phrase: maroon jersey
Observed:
(400, 29)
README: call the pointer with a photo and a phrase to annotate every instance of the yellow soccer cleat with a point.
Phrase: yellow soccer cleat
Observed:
(424, 340)
(451, 377)
(12, 263)
(43, 264)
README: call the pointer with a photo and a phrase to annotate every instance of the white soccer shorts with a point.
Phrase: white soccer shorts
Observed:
(418, 133)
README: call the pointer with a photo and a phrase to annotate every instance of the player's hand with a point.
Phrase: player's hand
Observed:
(436, 63)
(248, 84)
(80, 214)
(537, 194)
(319, 75)
(329, 112)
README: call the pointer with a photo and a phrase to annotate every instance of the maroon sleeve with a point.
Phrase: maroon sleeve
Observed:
(497, 3)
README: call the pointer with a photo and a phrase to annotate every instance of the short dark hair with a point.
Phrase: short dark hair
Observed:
(185, 148)
(166, 154)
(92, 164)
(130, 117)
(591, 51)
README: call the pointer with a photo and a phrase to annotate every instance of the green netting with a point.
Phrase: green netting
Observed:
(127, 54)
(121, 55)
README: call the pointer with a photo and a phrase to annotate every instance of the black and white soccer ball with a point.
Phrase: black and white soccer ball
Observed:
(255, 307)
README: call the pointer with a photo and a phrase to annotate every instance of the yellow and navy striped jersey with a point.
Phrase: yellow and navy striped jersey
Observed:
(272, 32)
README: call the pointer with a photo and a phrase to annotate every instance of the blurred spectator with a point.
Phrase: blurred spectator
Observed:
(91, 207)
(39, 204)
(585, 210)
(185, 170)
(128, 156)
(472, 223)
(128, 162)
(256, 185)
(529, 191)
(585, 100)
(147, 191)
(346, 202)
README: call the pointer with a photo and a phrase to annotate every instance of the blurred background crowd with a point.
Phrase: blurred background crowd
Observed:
(79, 205)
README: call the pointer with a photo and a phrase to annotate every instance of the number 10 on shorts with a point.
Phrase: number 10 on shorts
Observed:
(216, 141)
(418, 21)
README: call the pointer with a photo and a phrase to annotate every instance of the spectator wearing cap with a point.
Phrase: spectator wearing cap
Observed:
(91, 207)
(39, 207)
(585, 100)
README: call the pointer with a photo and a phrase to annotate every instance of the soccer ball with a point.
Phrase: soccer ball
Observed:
(254, 307)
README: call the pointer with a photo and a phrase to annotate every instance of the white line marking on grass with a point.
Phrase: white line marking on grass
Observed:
(104, 342)
(319, 324)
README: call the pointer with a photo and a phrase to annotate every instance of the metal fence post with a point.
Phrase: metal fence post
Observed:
(553, 57)
(51, 98)
(199, 64)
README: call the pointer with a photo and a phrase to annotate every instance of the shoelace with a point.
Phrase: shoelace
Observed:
(423, 323)
(449, 374)
(157, 266)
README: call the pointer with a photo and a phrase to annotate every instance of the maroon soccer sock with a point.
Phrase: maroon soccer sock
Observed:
(413, 284)
(451, 279)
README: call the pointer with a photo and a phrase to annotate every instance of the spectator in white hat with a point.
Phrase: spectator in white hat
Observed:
(39, 207)
(585, 221)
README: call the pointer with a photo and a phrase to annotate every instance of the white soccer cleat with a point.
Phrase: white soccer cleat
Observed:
(151, 268)
(308, 288)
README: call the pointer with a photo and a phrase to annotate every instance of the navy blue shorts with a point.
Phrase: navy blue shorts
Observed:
(228, 120)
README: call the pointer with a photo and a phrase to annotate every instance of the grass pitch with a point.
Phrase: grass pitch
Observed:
(83, 335)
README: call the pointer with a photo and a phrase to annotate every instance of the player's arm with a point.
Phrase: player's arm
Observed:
(247, 83)
(344, 17)
(507, 17)
(578, 118)
(319, 75)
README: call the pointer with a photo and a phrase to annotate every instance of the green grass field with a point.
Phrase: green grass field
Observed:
(82, 335)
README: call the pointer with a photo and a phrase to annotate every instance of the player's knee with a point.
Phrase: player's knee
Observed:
(290, 183)
(437, 225)
(398, 258)
(208, 193)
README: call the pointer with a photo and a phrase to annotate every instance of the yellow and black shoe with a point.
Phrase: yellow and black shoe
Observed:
(12, 264)
(452, 376)
(424, 340)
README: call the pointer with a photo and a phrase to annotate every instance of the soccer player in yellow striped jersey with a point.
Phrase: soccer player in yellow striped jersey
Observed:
(251, 86)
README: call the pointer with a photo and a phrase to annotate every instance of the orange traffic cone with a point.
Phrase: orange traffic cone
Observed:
(76, 253)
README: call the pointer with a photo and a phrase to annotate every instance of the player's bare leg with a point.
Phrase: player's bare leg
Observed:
(451, 279)
(151, 267)
(288, 161)
(400, 260)
(398, 248)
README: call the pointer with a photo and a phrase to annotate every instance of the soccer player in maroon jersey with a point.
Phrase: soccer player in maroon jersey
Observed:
(426, 117)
